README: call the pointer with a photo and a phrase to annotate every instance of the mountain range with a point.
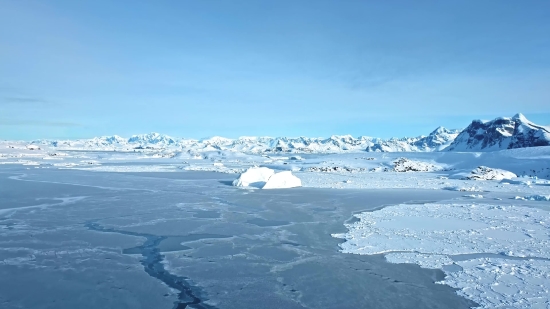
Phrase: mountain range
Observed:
(500, 133)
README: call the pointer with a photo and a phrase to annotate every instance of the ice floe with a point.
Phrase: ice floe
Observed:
(500, 254)
(503, 283)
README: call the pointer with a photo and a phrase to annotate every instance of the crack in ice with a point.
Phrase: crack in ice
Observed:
(152, 264)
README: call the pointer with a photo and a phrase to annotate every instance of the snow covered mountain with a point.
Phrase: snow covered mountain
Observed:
(334, 144)
(114, 142)
(501, 133)
(102, 142)
(152, 139)
(439, 139)
(435, 141)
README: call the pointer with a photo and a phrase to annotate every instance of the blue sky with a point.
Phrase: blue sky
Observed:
(75, 69)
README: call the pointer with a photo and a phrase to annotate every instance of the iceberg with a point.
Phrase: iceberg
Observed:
(266, 178)
(283, 180)
(254, 177)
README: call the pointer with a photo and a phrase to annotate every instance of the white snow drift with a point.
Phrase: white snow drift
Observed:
(487, 173)
(266, 178)
(407, 165)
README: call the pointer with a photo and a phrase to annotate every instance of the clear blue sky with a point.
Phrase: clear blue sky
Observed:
(72, 69)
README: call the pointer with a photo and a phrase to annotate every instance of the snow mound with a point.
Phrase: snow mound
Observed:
(474, 195)
(464, 189)
(487, 173)
(254, 177)
(283, 180)
(406, 165)
(33, 147)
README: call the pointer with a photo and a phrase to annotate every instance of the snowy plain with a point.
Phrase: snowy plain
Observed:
(482, 219)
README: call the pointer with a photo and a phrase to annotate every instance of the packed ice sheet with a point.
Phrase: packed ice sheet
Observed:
(429, 235)
(496, 255)
(234, 248)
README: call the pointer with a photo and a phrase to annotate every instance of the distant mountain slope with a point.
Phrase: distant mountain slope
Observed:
(437, 140)
(501, 133)
(151, 139)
